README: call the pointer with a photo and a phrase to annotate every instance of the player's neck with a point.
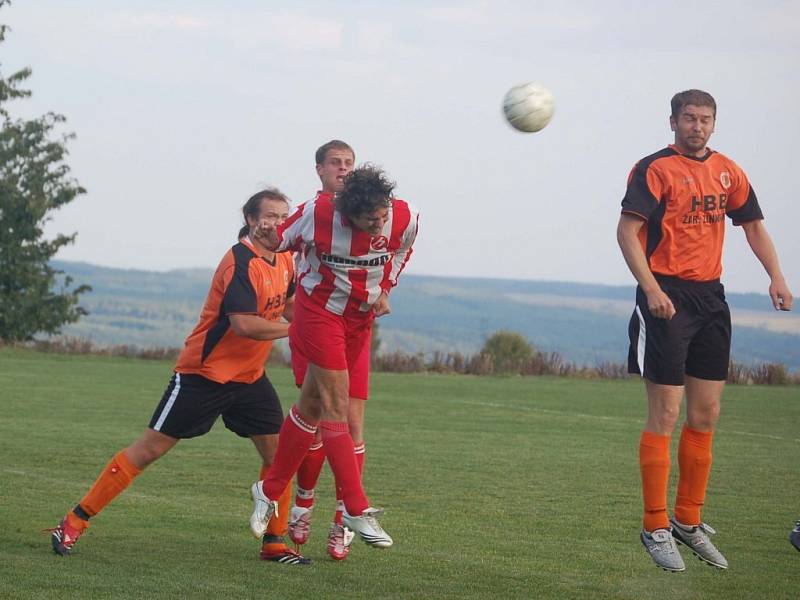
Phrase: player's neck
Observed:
(689, 152)
(260, 248)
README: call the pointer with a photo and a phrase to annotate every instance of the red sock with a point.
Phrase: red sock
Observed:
(342, 458)
(359, 452)
(308, 474)
(694, 459)
(297, 435)
(654, 463)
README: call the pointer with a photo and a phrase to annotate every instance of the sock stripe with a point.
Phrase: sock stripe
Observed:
(298, 420)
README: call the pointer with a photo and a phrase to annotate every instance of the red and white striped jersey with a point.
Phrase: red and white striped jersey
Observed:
(341, 268)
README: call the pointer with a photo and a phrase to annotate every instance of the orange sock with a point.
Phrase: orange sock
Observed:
(117, 476)
(279, 524)
(654, 463)
(694, 459)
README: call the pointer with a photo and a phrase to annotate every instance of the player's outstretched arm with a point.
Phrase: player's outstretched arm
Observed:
(288, 310)
(258, 328)
(761, 244)
(628, 238)
(267, 234)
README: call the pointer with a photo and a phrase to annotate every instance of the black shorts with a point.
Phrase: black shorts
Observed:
(192, 403)
(695, 342)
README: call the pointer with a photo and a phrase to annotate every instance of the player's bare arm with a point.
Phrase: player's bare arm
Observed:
(628, 238)
(258, 328)
(288, 310)
(762, 246)
(381, 306)
(266, 233)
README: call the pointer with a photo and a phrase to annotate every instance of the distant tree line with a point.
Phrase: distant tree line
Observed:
(504, 353)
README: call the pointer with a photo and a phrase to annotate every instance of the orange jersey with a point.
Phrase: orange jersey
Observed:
(245, 284)
(684, 200)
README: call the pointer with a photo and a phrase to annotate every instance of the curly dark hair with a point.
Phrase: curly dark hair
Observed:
(694, 97)
(366, 189)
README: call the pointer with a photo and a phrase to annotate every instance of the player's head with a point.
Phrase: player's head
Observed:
(334, 161)
(694, 113)
(269, 205)
(365, 198)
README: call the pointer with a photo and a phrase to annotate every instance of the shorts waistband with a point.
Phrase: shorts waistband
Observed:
(672, 281)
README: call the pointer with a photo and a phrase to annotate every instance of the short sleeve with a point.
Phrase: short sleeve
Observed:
(644, 191)
(742, 204)
(240, 294)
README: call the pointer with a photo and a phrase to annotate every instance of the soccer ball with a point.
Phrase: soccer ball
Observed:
(528, 107)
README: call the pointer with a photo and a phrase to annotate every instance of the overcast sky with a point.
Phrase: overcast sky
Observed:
(184, 109)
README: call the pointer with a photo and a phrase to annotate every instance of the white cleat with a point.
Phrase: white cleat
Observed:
(262, 511)
(368, 528)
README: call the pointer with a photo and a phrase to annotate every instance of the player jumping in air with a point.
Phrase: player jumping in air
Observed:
(353, 246)
(671, 232)
(334, 161)
(219, 372)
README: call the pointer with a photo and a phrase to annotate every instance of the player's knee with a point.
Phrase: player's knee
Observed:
(703, 420)
(665, 419)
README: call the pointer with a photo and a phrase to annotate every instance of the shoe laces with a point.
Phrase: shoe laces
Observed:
(69, 534)
(664, 543)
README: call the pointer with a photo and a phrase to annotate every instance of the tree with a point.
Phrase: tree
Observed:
(509, 351)
(34, 181)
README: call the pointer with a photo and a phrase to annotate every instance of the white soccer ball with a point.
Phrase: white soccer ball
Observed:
(529, 107)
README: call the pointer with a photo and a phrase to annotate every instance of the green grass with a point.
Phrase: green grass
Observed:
(494, 487)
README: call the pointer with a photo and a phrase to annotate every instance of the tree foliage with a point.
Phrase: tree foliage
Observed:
(34, 181)
(509, 351)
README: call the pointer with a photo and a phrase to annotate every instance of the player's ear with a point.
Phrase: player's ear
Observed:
(672, 123)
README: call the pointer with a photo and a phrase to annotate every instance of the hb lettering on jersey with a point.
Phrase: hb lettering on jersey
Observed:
(707, 204)
(275, 303)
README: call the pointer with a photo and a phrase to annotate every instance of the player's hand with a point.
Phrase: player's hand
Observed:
(660, 305)
(266, 233)
(780, 295)
(381, 306)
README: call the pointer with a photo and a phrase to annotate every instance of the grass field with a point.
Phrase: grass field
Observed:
(494, 488)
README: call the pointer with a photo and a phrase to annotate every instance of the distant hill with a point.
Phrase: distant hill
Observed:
(585, 323)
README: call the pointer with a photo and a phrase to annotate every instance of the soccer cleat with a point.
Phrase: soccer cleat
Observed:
(662, 549)
(300, 524)
(262, 511)
(66, 534)
(279, 553)
(697, 540)
(339, 540)
(794, 536)
(368, 528)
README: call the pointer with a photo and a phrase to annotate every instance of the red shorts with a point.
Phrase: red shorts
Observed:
(330, 341)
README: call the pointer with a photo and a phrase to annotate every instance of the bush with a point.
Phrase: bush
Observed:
(510, 351)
